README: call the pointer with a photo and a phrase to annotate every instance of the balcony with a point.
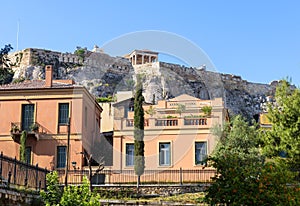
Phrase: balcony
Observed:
(130, 123)
(33, 131)
(195, 121)
(165, 123)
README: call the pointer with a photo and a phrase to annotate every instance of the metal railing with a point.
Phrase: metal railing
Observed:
(176, 176)
(15, 173)
(35, 127)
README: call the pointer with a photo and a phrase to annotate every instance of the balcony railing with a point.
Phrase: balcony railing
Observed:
(34, 129)
(195, 121)
(165, 123)
(130, 122)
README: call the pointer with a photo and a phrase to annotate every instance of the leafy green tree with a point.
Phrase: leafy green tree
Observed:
(151, 111)
(283, 139)
(80, 52)
(23, 146)
(235, 159)
(79, 195)
(129, 84)
(71, 195)
(53, 193)
(139, 159)
(6, 73)
(244, 177)
(180, 109)
(3, 55)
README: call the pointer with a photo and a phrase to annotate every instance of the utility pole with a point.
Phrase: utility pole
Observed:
(68, 154)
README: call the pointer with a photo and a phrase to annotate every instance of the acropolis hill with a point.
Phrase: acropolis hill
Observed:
(104, 75)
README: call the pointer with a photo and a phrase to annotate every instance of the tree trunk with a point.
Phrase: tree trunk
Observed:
(90, 174)
(138, 184)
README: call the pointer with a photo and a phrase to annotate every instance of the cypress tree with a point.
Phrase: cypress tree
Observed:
(23, 146)
(139, 159)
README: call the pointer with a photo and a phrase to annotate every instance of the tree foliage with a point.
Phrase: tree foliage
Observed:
(139, 159)
(206, 110)
(23, 146)
(79, 195)
(6, 73)
(129, 84)
(180, 109)
(80, 52)
(151, 111)
(244, 177)
(71, 195)
(53, 194)
(283, 139)
(3, 55)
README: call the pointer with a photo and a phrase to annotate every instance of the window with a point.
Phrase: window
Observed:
(200, 152)
(85, 116)
(164, 154)
(28, 155)
(27, 116)
(61, 156)
(129, 154)
(63, 113)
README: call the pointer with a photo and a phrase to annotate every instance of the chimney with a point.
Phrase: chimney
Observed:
(48, 76)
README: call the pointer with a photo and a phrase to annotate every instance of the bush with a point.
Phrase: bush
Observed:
(53, 194)
(72, 195)
(206, 110)
(79, 195)
(106, 99)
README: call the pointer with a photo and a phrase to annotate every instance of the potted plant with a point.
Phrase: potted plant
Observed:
(15, 129)
(206, 110)
(34, 127)
(151, 111)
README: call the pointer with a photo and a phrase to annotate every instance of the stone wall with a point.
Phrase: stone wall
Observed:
(19, 197)
(160, 190)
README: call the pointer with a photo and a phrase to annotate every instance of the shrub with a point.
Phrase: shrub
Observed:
(53, 194)
(206, 110)
(72, 195)
(79, 195)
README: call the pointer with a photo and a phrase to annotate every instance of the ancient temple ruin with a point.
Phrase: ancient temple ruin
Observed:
(137, 57)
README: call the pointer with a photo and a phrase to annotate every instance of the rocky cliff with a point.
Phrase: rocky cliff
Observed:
(104, 75)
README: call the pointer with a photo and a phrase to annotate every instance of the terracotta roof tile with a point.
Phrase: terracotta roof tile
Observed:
(35, 84)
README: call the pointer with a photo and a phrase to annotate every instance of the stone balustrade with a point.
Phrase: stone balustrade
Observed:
(165, 123)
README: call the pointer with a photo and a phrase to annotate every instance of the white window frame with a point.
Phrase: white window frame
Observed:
(169, 157)
(196, 162)
(129, 156)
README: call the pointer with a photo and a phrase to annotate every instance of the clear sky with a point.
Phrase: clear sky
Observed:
(258, 40)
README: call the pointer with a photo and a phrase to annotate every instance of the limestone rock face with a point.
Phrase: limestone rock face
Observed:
(104, 75)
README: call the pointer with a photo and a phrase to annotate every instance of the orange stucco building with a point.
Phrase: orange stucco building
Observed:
(173, 139)
(43, 108)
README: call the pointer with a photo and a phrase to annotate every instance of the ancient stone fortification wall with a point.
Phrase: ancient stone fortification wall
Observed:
(33, 56)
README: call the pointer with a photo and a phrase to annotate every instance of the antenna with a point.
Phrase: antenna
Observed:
(18, 30)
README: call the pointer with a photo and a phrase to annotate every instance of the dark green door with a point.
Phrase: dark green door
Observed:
(27, 116)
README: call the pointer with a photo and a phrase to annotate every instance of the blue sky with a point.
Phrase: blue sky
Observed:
(258, 40)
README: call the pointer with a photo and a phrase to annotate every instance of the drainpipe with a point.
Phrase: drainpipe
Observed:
(68, 154)
(121, 152)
